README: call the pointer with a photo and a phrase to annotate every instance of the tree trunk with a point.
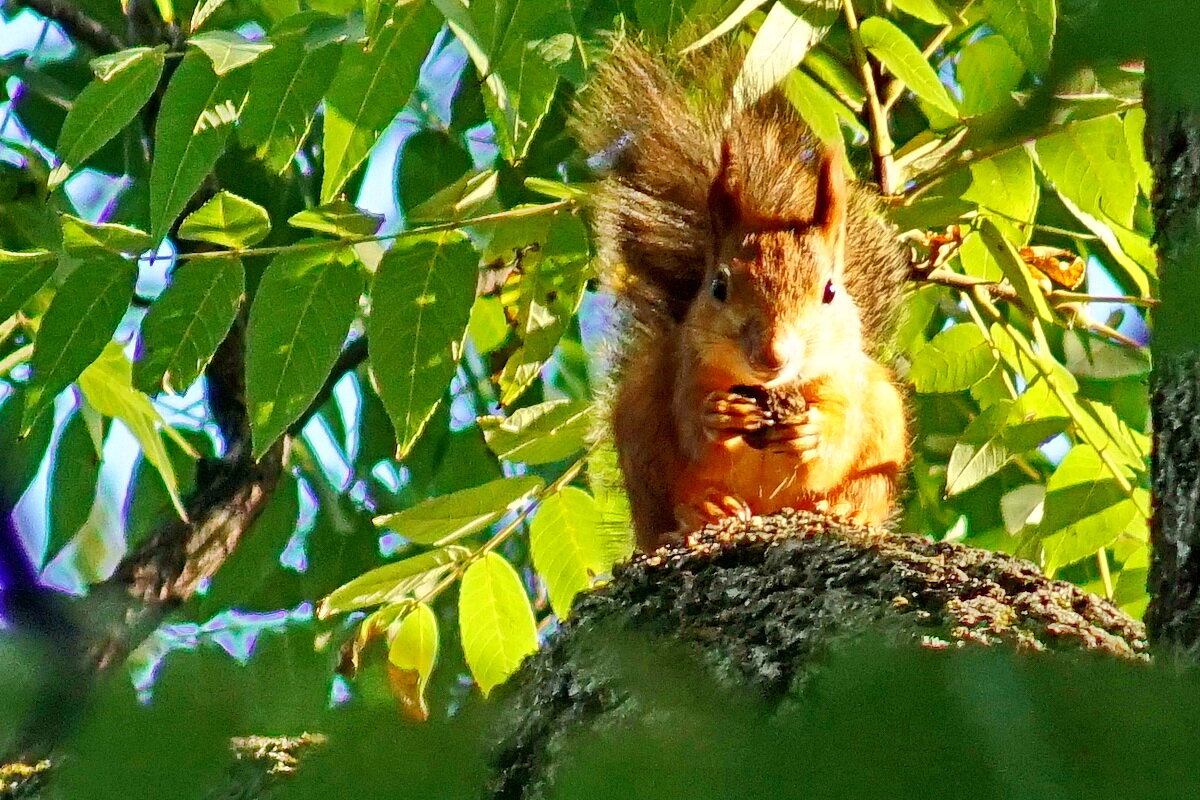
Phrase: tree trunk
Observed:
(1173, 146)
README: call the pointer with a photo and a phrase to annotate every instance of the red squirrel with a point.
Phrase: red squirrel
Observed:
(760, 286)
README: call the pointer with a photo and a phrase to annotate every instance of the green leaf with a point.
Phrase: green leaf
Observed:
(496, 622)
(198, 112)
(228, 50)
(952, 361)
(540, 434)
(21, 275)
(1007, 185)
(227, 220)
(76, 327)
(104, 67)
(549, 294)
(106, 106)
(187, 322)
(203, 11)
(1014, 268)
(23, 454)
(744, 9)
(107, 386)
(904, 59)
(441, 520)
(781, 43)
(302, 312)
(989, 72)
(816, 104)
(487, 327)
(1028, 25)
(80, 237)
(287, 83)
(925, 10)
(340, 218)
(72, 484)
(1135, 125)
(980, 451)
(1085, 509)
(372, 85)
(520, 48)
(391, 583)
(413, 653)
(567, 548)
(1089, 163)
(612, 503)
(424, 289)
(992, 439)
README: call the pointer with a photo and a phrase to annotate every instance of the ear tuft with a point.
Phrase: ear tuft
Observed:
(723, 205)
(833, 196)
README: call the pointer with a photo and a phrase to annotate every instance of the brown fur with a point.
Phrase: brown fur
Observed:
(700, 193)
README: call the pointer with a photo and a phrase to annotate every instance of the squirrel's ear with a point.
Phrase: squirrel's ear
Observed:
(829, 215)
(723, 206)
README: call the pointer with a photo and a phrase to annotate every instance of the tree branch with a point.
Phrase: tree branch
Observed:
(881, 139)
(77, 25)
(171, 565)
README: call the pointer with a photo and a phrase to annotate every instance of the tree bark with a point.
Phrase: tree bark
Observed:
(762, 604)
(1172, 141)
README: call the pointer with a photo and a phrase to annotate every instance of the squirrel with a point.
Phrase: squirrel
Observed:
(760, 287)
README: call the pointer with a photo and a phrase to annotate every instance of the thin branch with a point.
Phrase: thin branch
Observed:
(346, 241)
(1003, 291)
(881, 140)
(77, 25)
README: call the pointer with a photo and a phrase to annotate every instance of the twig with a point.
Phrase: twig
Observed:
(881, 140)
(77, 25)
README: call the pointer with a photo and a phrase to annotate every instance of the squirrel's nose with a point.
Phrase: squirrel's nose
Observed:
(770, 355)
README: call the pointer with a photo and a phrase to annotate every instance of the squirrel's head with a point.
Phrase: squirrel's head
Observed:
(773, 308)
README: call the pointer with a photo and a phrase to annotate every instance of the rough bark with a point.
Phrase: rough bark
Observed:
(762, 603)
(1173, 148)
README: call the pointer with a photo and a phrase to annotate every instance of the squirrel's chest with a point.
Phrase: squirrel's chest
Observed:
(767, 480)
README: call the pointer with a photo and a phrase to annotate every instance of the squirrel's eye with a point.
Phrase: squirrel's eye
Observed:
(720, 286)
(830, 291)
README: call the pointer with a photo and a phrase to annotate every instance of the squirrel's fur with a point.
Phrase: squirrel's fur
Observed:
(761, 287)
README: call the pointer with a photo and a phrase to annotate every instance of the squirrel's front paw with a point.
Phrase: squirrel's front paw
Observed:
(802, 437)
(731, 414)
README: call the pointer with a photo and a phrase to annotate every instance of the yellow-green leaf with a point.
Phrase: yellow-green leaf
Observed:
(495, 620)
(390, 583)
(441, 520)
(903, 59)
(228, 50)
(539, 434)
(107, 386)
(565, 540)
(227, 220)
(413, 653)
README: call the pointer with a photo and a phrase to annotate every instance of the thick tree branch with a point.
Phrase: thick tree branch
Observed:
(77, 25)
(176, 560)
(1173, 146)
